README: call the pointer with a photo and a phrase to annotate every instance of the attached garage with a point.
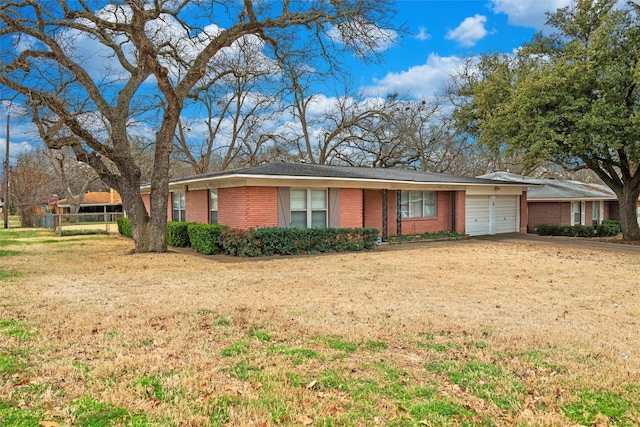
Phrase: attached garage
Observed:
(488, 214)
(477, 215)
(507, 210)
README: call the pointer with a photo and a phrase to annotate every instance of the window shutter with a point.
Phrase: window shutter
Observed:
(284, 207)
(334, 206)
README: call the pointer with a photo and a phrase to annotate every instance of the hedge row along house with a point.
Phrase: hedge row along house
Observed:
(395, 201)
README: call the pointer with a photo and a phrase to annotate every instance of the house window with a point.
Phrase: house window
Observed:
(308, 208)
(595, 212)
(418, 204)
(213, 206)
(179, 206)
(577, 212)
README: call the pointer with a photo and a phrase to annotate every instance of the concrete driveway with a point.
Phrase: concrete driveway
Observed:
(577, 242)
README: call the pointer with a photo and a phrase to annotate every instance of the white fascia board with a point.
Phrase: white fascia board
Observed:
(568, 200)
(255, 180)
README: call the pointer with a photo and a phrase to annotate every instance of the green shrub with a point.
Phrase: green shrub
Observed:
(240, 243)
(206, 238)
(294, 241)
(124, 227)
(608, 228)
(582, 231)
(547, 230)
(565, 230)
(178, 234)
(278, 241)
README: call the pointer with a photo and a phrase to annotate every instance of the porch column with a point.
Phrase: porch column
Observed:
(398, 212)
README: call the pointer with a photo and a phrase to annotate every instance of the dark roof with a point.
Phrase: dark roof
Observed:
(556, 189)
(341, 172)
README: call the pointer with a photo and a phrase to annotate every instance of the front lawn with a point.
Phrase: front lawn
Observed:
(460, 333)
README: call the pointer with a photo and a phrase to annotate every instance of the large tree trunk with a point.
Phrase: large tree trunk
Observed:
(26, 216)
(628, 199)
(149, 230)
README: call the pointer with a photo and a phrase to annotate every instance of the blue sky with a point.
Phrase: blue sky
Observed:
(444, 32)
(441, 33)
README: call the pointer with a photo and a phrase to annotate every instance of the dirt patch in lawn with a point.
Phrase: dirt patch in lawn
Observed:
(444, 333)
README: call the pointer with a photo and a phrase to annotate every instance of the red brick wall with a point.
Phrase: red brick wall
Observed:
(442, 222)
(350, 207)
(612, 210)
(146, 199)
(524, 220)
(373, 213)
(553, 213)
(248, 207)
(565, 213)
(262, 207)
(232, 203)
(197, 206)
(170, 207)
(461, 197)
(373, 209)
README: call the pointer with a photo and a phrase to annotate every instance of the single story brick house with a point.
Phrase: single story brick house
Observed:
(92, 202)
(562, 202)
(395, 201)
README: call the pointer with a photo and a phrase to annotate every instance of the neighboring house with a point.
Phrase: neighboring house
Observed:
(560, 202)
(93, 202)
(395, 201)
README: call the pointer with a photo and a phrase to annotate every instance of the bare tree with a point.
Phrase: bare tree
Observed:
(73, 178)
(324, 130)
(298, 77)
(94, 73)
(236, 107)
(30, 184)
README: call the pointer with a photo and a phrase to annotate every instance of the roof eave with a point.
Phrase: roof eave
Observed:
(230, 177)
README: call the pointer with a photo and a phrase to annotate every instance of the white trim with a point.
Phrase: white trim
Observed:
(582, 212)
(561, 200)
(309, 205)
(263, 180)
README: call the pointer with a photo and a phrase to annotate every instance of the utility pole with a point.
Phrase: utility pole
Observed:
(5, 208)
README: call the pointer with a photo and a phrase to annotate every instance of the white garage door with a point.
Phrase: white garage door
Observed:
(491, 215)
(506, 217)
(477, 215)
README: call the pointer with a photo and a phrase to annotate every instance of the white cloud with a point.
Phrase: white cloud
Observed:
(469, 31)
(423, 34)
(320, 104)
(421, 81)
(528, 13)
(15, 149)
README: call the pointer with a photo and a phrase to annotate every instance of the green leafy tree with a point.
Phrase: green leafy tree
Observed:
(571, 98)
(98, 74)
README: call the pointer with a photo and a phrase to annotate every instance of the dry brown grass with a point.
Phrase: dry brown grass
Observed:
(557, 321)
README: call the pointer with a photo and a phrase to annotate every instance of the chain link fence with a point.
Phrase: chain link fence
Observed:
(80, 223)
